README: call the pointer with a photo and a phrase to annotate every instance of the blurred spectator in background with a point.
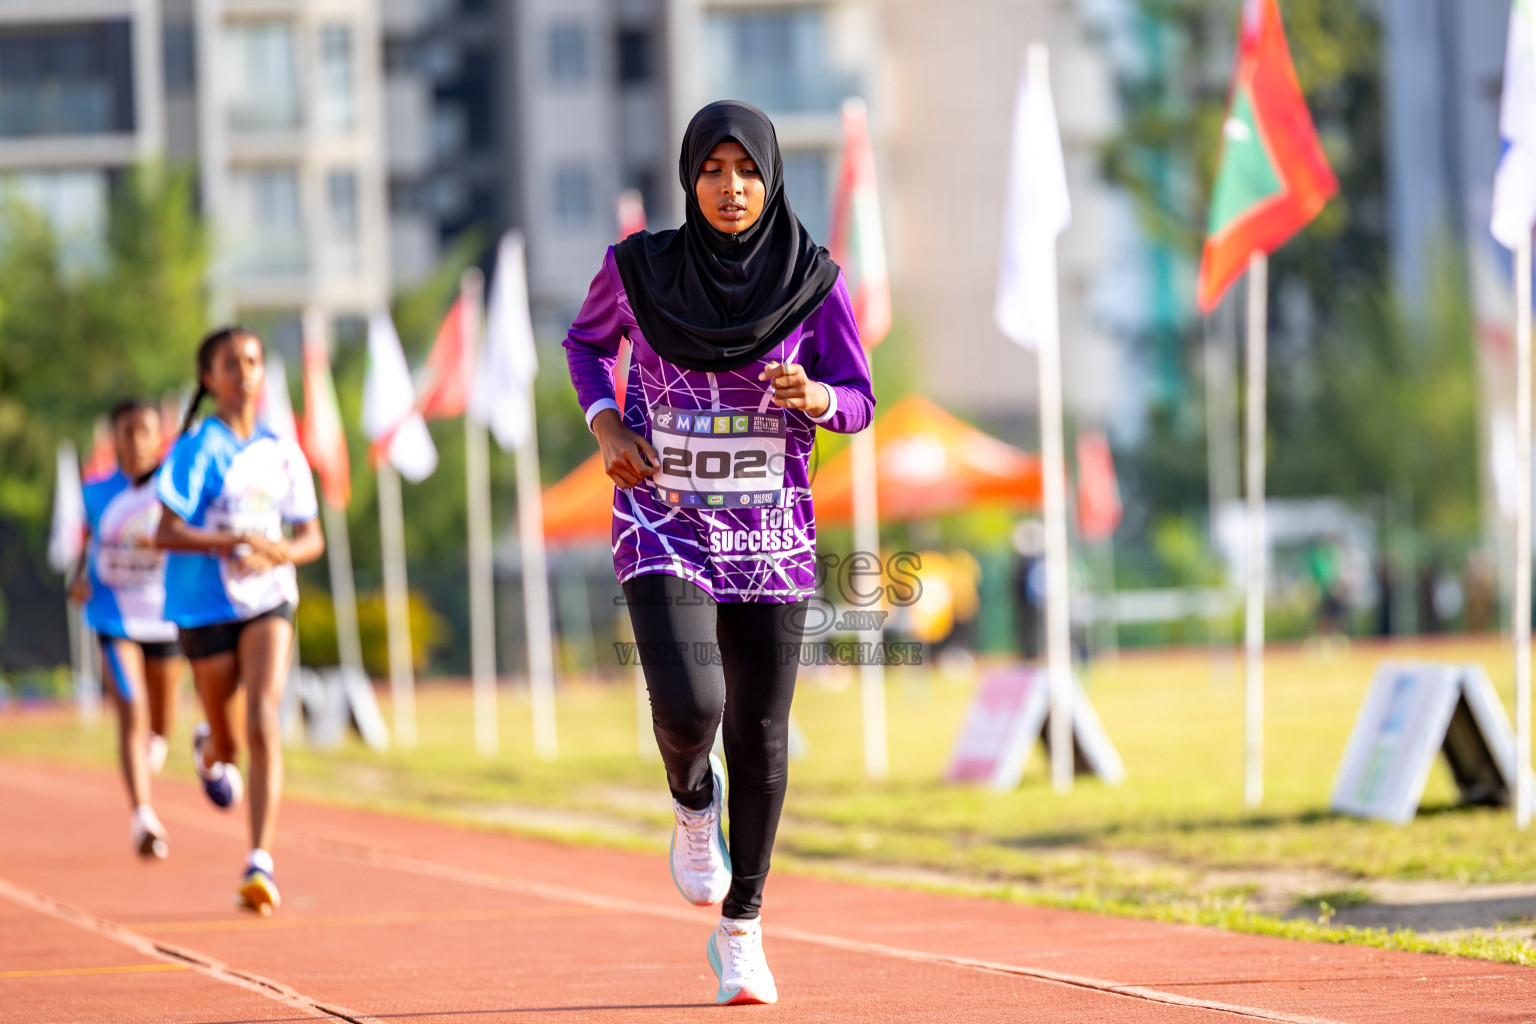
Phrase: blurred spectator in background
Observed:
(1029, 587)
(1482, 593)
(1325, 567)
(1386, 593)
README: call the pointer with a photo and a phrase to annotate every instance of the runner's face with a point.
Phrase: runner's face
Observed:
(730, 189)
(136, 436)
(237, 373)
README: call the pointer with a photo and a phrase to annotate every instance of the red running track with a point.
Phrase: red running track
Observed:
(393, 919)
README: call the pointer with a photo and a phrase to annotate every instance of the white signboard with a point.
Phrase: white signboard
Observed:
(1413, 712)
(1008, 714)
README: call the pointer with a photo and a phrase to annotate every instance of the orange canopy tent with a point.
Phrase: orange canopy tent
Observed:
(928, 462)
(579, 509)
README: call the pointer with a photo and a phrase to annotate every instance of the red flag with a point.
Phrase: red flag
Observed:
(1098, 493)
(856, 239)
(631, 214)
(1273, 177)
(442, 390)
(630, 210)
(102, 462)
(320, 434)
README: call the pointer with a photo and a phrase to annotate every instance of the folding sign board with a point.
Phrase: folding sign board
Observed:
(1413, 712)
(1010, 711)
(323, 704)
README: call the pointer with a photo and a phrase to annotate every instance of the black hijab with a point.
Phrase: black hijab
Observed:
(711, 301)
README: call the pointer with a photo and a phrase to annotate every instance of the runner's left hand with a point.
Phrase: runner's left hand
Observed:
(262, 553)
(792, 389)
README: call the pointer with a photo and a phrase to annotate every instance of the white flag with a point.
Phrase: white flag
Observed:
(503, 395)
(1037, 210)
(275, 410)
(1514, 185)
(389, 404)
(66, 537)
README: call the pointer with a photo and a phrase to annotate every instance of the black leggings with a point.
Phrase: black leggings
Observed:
(702, 660)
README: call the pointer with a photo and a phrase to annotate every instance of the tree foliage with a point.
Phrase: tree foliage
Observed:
(75, 337)
(1369, 395)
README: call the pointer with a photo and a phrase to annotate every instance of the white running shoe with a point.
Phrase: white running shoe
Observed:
(147, 832)
(701, 863)
(736, 953)
(158, 748)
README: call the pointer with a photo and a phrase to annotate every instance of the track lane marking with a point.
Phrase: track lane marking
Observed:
(175, 955)
(266, 924)
(72, 972)
(355, 853)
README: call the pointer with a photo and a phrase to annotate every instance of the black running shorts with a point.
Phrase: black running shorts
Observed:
(223, 637)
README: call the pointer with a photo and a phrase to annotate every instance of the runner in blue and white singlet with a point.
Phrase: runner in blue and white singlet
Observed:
(228, 490)
(121, 584)
(218, 481)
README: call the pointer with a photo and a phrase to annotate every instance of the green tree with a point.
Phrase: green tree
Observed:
(76, 335)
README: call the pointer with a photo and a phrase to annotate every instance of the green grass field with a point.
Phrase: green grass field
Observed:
(1174, 841)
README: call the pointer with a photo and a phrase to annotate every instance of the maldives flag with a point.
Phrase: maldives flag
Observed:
(443, 383)
(1272, 177)
(320, 434)
(856, 239)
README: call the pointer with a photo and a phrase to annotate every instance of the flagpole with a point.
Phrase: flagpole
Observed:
(1522, 611)
(477, 480)
(1058, 628)
(866, 537)
(397, 608)
(541, 655)
(1253, 629)
(338, 547)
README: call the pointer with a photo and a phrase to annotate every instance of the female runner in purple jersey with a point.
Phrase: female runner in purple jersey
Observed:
(744, 342)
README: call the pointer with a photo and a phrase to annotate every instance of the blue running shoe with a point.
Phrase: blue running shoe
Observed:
(221, 782)
(701, 862)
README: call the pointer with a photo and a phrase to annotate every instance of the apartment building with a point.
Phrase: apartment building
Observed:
(941, 80)
(276, 101)
(526, 113)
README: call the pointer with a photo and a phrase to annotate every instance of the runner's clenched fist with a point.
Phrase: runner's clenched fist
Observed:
(792, 389)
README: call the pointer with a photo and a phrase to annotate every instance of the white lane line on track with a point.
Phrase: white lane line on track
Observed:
(526, 887)
(162, 951)
(359, 854)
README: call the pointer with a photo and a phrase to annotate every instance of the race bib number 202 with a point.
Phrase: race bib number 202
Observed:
(719, 458)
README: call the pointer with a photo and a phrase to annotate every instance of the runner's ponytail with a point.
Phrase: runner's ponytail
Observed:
(205, 353)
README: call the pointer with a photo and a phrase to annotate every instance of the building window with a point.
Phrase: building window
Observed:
(344, 254)
(450, 130)
(338, 104)
(779, 60)
(573, 195)
(634, 50)
(568, 53)
(74, 203)
(180, 56)
(808, 187)
(67, 81)
(264, 224)
(261, 75)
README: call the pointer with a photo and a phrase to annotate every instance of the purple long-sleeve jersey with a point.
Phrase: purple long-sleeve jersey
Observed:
(731, 508)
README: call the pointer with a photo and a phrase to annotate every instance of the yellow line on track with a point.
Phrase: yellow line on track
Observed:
(356, 920)
(69, 972)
